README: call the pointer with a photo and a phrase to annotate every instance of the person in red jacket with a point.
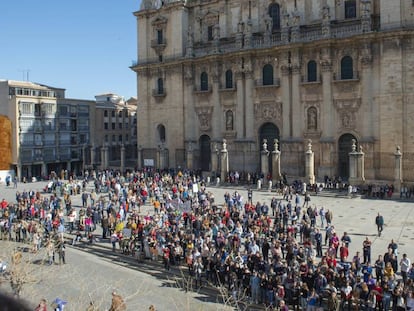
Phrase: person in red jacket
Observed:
(343, 252)
(4, 204)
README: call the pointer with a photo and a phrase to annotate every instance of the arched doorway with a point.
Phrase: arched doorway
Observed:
(344, 148)
(205, 153)
(270, 132)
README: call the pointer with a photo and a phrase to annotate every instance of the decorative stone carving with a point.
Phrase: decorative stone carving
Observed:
(347, 110)
(296, 69)
(326, 22)
(347, 104)
(204, 116)
(347, 120)
(366, 55)
(268, 111)
(160, 22)
(326, 66)
(188, 73)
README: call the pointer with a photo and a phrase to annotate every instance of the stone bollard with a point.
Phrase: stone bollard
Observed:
(218, 181)
(208, 180)
(270, 185)
(259, 184)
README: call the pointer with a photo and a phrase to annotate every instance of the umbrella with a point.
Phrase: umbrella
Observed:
(59, 304)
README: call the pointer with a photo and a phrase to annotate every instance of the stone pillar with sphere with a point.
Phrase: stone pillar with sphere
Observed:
(276, 175)
(398, 169)
(310, 164)
(264, 159)
(356, 165)
(224, 159)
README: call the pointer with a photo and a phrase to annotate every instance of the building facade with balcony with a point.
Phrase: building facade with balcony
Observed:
(47, 130)
(115, 133)
(332, 71)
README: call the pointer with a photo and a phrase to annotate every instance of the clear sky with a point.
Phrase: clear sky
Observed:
(83, 46)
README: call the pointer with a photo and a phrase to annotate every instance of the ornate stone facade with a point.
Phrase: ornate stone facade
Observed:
(326, 70)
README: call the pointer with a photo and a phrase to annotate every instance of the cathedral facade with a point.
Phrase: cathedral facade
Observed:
(289, 71)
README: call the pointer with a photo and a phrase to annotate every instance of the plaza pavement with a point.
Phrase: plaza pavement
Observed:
(353, 215)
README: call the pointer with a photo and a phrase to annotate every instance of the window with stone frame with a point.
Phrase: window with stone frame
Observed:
(204, 81)
(160, 36)
(160, 86)
(274, 13)
(267, 74)
(159, 29)
(312, 71)
(347, 68)
(210, 33)
(350, 9)
(229, 79)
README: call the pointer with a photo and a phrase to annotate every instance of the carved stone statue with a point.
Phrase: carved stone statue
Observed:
(312, 119)
(229, 120)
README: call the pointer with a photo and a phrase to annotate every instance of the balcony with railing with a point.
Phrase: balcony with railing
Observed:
(305, 33)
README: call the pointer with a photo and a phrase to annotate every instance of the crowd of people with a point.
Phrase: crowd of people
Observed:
(278, 253)
(281, 253)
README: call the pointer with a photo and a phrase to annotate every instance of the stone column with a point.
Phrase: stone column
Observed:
(286, 100)
(327, 107)
(122, 159)
(398, 169)
(249, 106)
(276, 175)
(190, 156)
(264, 159)
(238, 124)
(214, 158)
(224, 167)
(139, 157)
(68, 166)
(19, 172)
(297, 114)
(217, 115)
(103, 158)
(310, 164)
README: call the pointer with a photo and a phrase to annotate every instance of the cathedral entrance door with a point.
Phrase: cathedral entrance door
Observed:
(205, 153)
(344, 148)
(270, 132)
